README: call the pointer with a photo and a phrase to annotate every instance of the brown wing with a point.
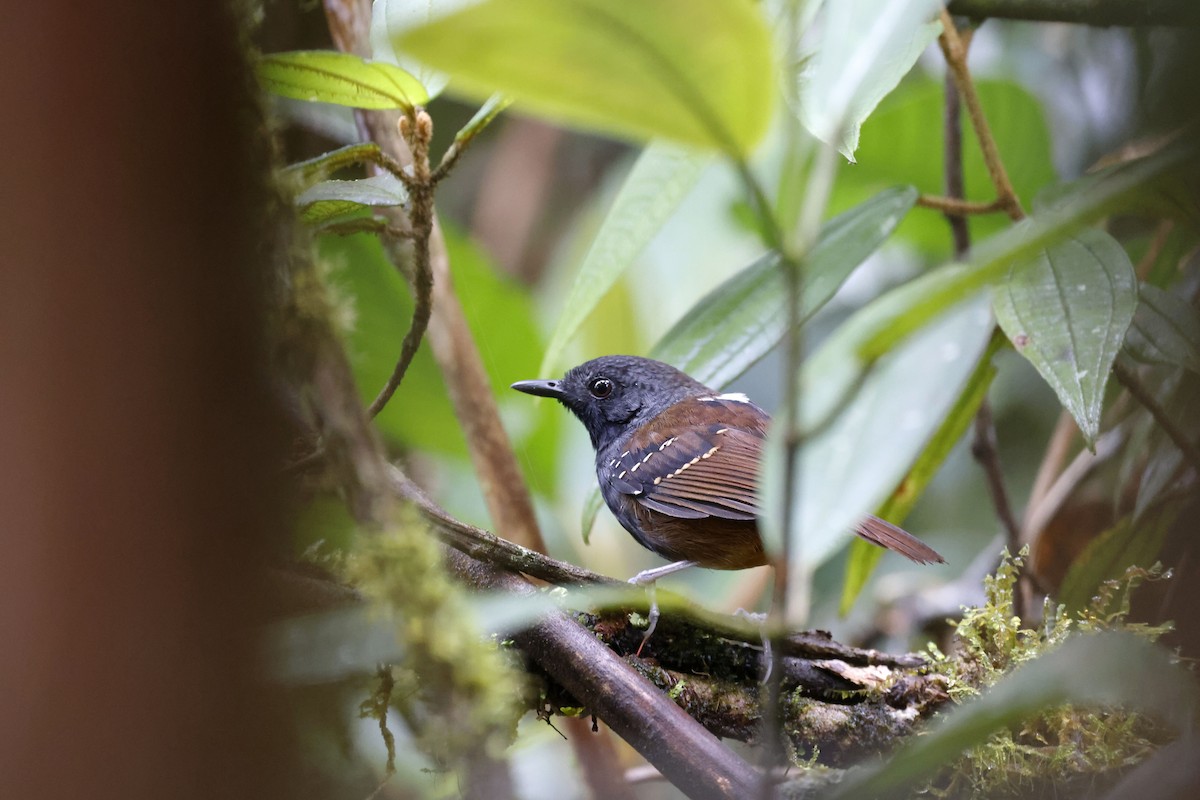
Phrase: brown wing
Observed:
(708, 468)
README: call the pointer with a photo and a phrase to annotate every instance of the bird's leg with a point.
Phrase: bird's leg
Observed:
(647, 578)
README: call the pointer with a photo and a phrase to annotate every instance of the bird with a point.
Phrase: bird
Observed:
(678, 464)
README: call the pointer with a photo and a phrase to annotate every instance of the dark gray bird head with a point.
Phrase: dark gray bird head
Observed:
(613, 395)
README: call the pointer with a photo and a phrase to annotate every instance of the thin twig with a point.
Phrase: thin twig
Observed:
(1134, 386)
(419, 130)
(957, 209)
(983, 448)
(956, 59)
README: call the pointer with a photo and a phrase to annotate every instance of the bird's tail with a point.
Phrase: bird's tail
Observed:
(885, 534)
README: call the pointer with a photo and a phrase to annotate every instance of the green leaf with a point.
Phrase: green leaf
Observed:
(591, 507)
(328, 200)
(323, 76)
(1165, 330)
(1129, 543)
(1067, 310)
(864, 430)
(319, 168)
(699, 72)
(658, 182)
(742, 319)
(902, 311)
(864, 556)
(1092, 670)
(867, 46)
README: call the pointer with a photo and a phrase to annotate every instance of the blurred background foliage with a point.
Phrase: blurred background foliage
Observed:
(524, 205)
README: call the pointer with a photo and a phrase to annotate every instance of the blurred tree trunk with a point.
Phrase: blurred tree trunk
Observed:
(135, 430)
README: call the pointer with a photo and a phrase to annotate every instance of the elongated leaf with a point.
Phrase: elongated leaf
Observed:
(866, 47)
(742, 319)
(324, 165)
(1067, 312)
(864, 556)
(1098, 670)
(329, 200)
(907, 309)
(1129, 543)
(866, 430)
(658, 182)
(1165, 330)
(698, 72)
(323, 76)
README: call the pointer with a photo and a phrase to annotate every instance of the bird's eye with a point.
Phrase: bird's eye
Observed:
(600, 388)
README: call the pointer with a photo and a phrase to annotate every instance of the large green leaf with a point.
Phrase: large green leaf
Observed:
(699, 72)
(865, 430)
(1095, 670)
(1067, 310)
(866, 47)
(737, 323)
(500, 313)
(1165, 330)
(323, 76)
(864, 556)
(658, 182)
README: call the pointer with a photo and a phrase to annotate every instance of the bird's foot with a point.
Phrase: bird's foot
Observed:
(647, 578)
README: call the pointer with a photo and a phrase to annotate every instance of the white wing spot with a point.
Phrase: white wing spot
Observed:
(709, 453)
(635, 466)
(658, 480)
(723, 430)
(622, 475)
(736, 397)
(647, 458)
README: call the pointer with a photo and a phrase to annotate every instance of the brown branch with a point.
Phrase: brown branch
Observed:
(956, 208)
(983, 448)
(954, 51)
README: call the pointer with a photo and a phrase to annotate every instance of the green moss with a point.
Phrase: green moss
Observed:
(469, 694)
(1062, 745)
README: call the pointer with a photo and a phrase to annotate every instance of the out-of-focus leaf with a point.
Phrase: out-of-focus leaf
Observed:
(329, 646)
(1165, 330)
(591, 507)
(866, 47)
(328, 200)
(658, 182)
(1067, 311)
(323, 76)
(1163, 458)
(699, 72)
(900, 312)
(1129, 543)
(391, 19)
(1092, 670)
(500, 314)
(737, 323)
(906, 128)
(864, 432)
(864, 556)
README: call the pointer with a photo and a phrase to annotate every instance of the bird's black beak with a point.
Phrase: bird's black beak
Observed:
(541, 388)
